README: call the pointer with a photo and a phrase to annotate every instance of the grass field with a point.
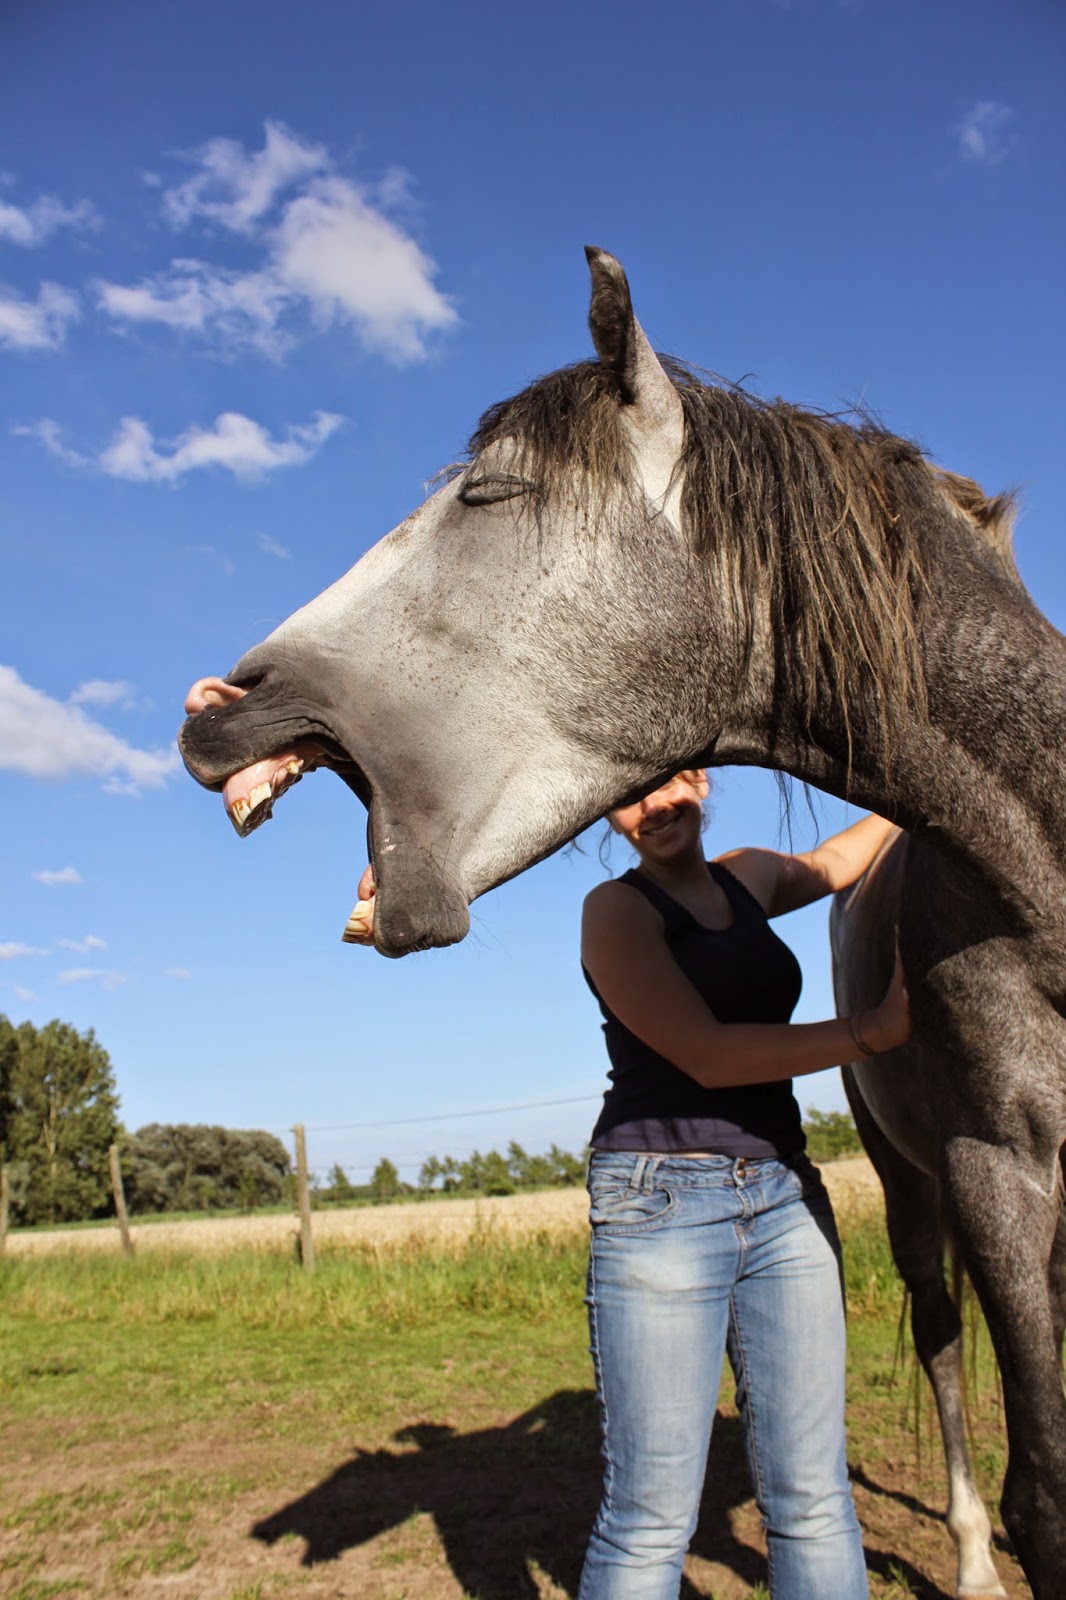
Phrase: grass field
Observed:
(414, 1421)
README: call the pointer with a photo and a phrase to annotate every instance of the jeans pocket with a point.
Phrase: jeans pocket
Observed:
(629, 1210)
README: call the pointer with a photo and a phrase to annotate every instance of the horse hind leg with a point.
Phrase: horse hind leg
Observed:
(912, 1210)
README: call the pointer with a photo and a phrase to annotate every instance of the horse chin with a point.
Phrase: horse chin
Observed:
(417, 905)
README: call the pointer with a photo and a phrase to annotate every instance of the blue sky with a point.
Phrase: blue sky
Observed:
(261, 268)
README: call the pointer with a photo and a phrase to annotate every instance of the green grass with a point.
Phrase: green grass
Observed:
(196, 1382)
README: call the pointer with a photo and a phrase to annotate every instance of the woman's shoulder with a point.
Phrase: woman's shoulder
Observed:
(758, 871)
(619, 898)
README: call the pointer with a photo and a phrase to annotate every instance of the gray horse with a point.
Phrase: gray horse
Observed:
(635, 572)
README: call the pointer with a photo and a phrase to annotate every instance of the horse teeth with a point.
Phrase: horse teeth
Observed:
(358, 924)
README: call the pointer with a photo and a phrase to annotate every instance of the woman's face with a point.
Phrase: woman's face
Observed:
(665, 825)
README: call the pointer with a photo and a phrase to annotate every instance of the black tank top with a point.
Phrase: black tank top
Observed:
(746, 974)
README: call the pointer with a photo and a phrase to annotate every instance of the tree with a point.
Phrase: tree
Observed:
(59, 1111)
(495, 1176)
(183, 1166)
(430, 1171)
(830, 1134)
(340, 1185)
(384, 1180)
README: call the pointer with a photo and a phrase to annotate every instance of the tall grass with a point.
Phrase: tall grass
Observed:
(412, 1284)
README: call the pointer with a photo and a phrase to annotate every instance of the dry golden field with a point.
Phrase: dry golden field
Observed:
(852, 1183)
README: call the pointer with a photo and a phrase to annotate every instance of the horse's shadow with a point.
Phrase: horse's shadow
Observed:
(503, 1499)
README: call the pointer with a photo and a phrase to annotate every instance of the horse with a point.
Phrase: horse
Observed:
(635, 571)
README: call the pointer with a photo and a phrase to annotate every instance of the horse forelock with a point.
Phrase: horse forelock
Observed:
(831, 517)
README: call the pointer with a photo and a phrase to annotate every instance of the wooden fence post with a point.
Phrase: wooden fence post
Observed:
(120, 1199)
(303, 1196)
(5, 1205)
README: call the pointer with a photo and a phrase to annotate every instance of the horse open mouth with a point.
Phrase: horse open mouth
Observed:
(249, 794)
(418, 904)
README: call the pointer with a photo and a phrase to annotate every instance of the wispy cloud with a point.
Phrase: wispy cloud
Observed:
(83, 947)
(47, 738)
(233, 442)
(105, 978)
(59, 875)
(177, 972)
(23, 994)
(329, 251)
(237, 189)
(103, 692)
(39, 324)
(273, 547)
(985, 134)
(13, 951)
(36, 223)
(47, 432)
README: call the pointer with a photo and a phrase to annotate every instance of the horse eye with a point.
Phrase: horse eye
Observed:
(488, 491)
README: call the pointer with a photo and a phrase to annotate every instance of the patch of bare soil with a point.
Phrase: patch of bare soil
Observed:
(441, 1509)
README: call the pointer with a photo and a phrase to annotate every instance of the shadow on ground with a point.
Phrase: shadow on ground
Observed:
(503, 1498)
(506, 1499)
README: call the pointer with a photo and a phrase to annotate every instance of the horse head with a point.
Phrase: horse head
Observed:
(523, 650)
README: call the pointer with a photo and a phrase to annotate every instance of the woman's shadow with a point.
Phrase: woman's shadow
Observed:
(503, 1499)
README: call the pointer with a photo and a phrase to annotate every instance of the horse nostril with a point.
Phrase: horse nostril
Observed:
(211, 692)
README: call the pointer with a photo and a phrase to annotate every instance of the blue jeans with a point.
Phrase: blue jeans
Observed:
(692, 1257)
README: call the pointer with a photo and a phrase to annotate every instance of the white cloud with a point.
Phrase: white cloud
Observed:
(103, 692)
(105, 978)
(23, 994)
(11, 951)
(985, 133)
(237, 189)
(177, 972)
(354, 264)
(329, 252)
(60, 875)
(234, 442)
(85, 946)
(37, 325)
(46, 738)
(273, 547)
(233, 308)
(34, 224)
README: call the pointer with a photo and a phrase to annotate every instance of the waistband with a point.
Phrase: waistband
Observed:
(640, 1170)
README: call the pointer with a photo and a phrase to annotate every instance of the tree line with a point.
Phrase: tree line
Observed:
(59, 1115)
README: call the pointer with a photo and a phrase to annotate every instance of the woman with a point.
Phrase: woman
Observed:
(711, 1231)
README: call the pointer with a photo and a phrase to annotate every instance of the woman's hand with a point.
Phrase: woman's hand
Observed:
(889, 1024)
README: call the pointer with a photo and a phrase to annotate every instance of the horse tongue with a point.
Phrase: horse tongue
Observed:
(249, 795)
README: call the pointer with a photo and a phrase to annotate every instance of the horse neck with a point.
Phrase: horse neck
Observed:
(982, 766)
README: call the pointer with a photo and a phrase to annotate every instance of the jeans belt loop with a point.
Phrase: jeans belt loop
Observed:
(636, 1182)
(740, 1171)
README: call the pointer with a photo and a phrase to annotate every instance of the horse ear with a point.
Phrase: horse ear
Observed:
(622, 345)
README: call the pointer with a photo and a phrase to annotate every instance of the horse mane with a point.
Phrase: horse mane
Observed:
(836, 514)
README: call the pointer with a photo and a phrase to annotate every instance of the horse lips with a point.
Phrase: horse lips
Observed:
(249, 795)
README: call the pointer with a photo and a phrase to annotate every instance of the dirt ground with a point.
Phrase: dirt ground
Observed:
(472, 1502)
(499, 1512)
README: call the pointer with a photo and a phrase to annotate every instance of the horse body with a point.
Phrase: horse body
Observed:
(637, 572)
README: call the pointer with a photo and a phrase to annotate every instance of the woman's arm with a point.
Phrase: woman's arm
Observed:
(783, 883)
(625, 953)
